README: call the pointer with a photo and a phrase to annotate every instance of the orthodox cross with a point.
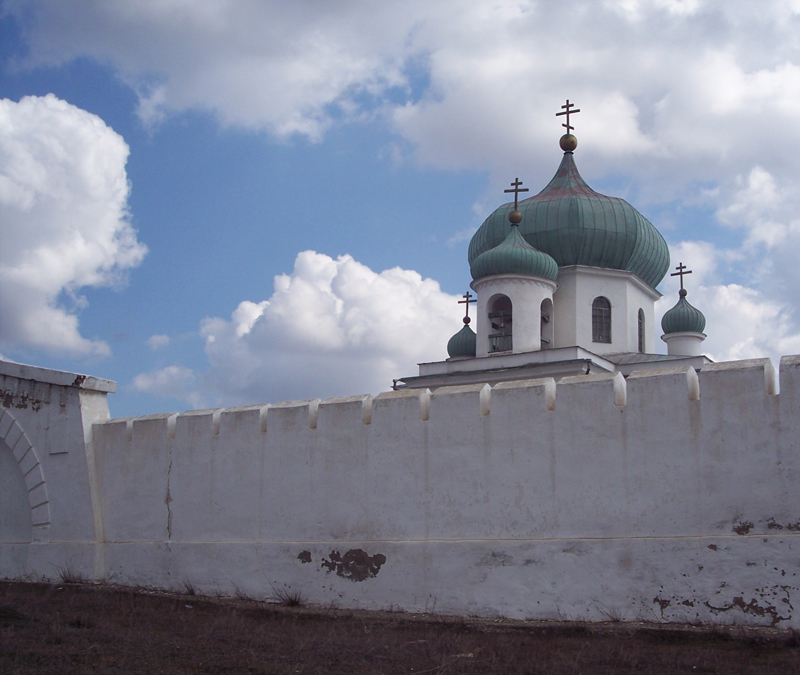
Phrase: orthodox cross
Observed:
(681, 271)
(567, 111)
(516, 189)
(467, 301)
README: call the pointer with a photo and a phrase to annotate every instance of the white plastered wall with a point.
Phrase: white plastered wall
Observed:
(666, 496)
(578, 286)
(46, 422)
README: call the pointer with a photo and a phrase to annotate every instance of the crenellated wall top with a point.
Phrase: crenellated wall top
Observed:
(752, 378)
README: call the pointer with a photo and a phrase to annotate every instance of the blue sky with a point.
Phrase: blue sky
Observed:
(220, 203)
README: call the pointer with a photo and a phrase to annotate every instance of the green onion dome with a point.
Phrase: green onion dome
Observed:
(513, 255)
(463, 343)
(578, 226)
(683, 318)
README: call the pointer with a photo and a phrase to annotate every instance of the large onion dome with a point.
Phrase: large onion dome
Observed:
(578, 226)
(463, 343)
(513, 255)
(683, 318)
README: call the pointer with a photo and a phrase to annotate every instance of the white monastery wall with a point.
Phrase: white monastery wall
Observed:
(670, 495)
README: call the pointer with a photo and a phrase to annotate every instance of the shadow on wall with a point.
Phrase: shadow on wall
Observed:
(15, 509)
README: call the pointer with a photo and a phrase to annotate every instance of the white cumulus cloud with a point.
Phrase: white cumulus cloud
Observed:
(64, 215)
(742, 321)
(331, 327)
(684, 102)
(676, 95)
(158, 341)
(279, 65)
(171, 382)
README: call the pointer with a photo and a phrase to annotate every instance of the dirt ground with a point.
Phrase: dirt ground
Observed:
(78, 628)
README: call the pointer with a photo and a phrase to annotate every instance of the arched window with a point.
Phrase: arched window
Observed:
(601, 320)
(500, 322)
(547, 323)
(641, 331)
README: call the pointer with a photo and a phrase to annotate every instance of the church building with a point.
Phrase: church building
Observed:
(565, 284)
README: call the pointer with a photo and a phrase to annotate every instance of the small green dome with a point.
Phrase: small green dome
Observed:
(578, 226)
(514, 255)
(463, 343)
(683, 318)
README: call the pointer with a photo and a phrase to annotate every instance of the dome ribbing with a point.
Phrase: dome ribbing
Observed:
(513, 255)
(463, 343)
(578, 226)
(683, 318)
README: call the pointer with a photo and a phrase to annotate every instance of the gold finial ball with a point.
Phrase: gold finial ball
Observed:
(568, 142)
(515, 217)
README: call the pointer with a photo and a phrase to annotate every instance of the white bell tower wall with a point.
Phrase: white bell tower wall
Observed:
(526, 294)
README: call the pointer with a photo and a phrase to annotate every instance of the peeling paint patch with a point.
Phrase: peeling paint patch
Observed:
(355, 565)
(713, 547)
(742, 527)
(772, 524)
(662, 602)
(304, 556)
(21, 402)
(768, 608)
(751, 607)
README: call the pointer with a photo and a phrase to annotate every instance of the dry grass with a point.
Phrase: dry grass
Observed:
(84, 629)
(287, 597)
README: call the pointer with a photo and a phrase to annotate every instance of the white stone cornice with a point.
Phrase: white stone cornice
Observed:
(516, 279)
(613, 274)
(683, 334)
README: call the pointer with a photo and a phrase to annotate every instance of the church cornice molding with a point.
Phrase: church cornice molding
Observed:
(513, 279)
(683, 334)
(611, 274)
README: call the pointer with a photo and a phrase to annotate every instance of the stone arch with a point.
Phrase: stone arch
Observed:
(641, 331)
(546, 322)
(500, 323)
(14, 437)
